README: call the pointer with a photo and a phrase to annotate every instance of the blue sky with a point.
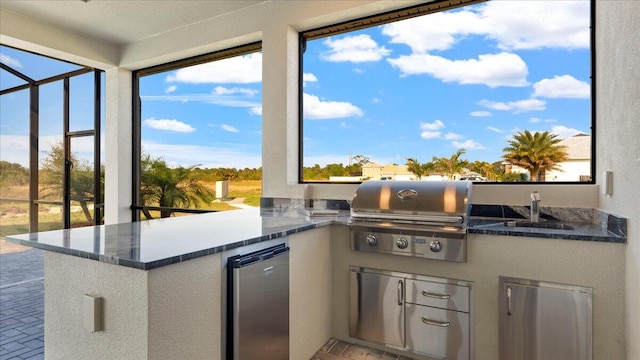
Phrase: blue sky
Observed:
(467, 78)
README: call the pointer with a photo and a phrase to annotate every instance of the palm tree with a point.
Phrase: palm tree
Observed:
(418, 169)
(484, 168)
(536, 152)
(451, 166)
(169, 187)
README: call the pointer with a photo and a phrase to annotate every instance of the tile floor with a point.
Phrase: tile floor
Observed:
(340, 350)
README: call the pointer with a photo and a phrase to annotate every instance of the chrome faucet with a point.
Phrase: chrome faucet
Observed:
(535, 206)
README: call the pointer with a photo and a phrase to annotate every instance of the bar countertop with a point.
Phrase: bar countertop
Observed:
(155, 243)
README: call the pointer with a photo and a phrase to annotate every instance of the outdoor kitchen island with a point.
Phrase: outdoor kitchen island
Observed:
(161, 282)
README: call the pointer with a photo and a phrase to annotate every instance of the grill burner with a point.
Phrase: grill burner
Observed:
(412, 218)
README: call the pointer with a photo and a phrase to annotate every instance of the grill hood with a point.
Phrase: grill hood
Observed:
(419, 202)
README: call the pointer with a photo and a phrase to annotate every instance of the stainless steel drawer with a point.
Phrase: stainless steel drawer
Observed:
(440, 333)
(438, 294)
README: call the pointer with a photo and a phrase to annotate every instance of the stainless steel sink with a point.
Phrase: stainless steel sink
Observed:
(539, 225)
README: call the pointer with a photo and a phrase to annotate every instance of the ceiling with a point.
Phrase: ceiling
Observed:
(125, 22)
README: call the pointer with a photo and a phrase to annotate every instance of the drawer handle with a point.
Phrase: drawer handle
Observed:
(436, 296)
(435, 322)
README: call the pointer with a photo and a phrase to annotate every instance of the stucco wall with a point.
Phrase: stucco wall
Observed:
(618, 134)
(185, 310)
(590, 264)
(172, 312)
(67, 279)
(310, 288)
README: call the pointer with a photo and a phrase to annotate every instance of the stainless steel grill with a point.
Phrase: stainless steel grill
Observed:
(412, 218)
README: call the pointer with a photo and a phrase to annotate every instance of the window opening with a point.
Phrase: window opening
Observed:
(198, 134)
(495, 91)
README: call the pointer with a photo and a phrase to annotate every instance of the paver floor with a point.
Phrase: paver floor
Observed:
(21, 305)
(340, 350)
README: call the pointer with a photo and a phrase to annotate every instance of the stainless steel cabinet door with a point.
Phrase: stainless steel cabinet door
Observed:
(544, 321)
(377, 308)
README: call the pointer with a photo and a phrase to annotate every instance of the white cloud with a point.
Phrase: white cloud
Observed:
(515, 106)
(308, 77)
(480, 113)
(9, 61)
(314, 108)
(537, 24)
(493, 70)
(438, 31)
(565, 86)
(535, 120)
(169, 125)
(240, 70)
(208, 156)
(223, 100)
(511, 24)
(564, 132)
(468, 145)
(229, 128)
(436, 125)
(495, 129)
(221, 90)
(430, 135)
(453, 136)
(357, 49)
(170, 89)
(256, 110)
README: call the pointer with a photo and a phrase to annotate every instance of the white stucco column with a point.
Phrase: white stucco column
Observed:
(118, 146)
(279, 110)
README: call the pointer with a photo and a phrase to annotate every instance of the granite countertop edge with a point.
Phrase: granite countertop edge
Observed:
(295, 222)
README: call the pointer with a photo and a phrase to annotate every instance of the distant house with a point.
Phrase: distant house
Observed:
(375, 171)
(576, 168)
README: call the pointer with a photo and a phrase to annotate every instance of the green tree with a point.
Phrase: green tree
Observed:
(13, 174)
(452, 165)
(535, 152)
(81, 184)
(170, 187)
(418, 169)
(483, 168)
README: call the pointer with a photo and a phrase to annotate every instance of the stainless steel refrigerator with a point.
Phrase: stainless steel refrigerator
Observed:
(258, 305)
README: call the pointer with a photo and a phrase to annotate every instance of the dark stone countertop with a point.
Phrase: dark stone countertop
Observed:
(555, 223)
(155, 243)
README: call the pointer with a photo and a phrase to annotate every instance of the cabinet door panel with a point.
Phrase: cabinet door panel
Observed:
(541, 321)
(377, 308)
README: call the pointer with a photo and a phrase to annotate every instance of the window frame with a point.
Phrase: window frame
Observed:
(136, 201)
(421, 10)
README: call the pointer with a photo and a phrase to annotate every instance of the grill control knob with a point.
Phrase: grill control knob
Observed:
(435, 246)
(402, 243)
(371, 240)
